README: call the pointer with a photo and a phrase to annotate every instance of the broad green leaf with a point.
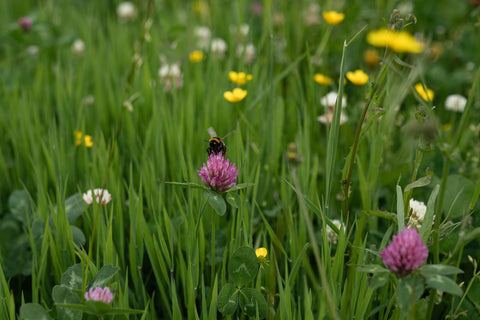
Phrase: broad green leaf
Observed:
(216, 201)
(74, 207)
(243, 266)
(234, 199)
(428, 219)
(444, 284)
(424, 181)
(379, 280)
(252, 303)
(34, 311)
(433, 269)
(228, 300)
(409, 290)
(72, 278)
(460, 190)
(19, 206)
(78, 236)
(103, 276)
(62, 294)
(372, 268)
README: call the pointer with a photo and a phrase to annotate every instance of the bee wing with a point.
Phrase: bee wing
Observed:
(211, 132)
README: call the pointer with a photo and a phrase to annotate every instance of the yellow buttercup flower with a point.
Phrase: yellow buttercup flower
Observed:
(235, 95)
(322, 79)
(333, 17)
(262, 256)
(196, 56)
(427, 94)
(397, 41)
(371, 57)
(87, 139)
(239, 78)
(358, 77)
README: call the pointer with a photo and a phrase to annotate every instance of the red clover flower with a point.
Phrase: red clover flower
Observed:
(219, 174)
(407, 252)
(99, 294)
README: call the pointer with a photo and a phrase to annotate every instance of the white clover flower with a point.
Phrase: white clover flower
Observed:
(330, 100)
(455, 102)
(126, 11)
(332, 235)
(328, 118)
(78, 47)
(171, 76)
(203, 35)
(106, 196)
(247, 51)
(218, 47)
(417, 213)
(32, 50)
(311, 15)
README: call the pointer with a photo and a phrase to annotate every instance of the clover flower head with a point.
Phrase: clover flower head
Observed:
(357, 77)
(171, 76)
(333, 17)
(406, 253)
(330, 99)
(106, 196)
(126, 11)
(246, 51)
(203, 35)
(78, 47)
(218, 47)
(219, 174)
(332, 236)
(311, 14)
(418, 210)
(25, 23)
(455, 102)
(327, 118)
(99, 294)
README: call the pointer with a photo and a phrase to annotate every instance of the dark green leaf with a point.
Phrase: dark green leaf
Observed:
(228, 299)
(78, 236)
(428, 219)
(34, 311)
(234, 199)
(252, 303)
(381, 214)
(444, 284)
(216, 201)
(62, 294)
(74, 207)
(72, 278)
(98, 308)
(400, 209)
(19, 205)
(372, 268)
(460, 190)
(103, 276)
(243, 266)
(433, 269)
(379, 280)
(409, 291)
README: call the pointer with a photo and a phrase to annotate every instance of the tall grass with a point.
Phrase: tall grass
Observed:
(162, 247)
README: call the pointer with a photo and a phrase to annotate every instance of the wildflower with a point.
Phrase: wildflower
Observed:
(218, 47)
(406, 253)
(196, 56)
(241, 31)
(322, 79)
(218, 174)
(328, 117)
(87, 139)
(203, 35)
(246, 51)
(106, 196)
(330, 100)
(427, 94)
(257, 8)
(235, 95)
(417, 213)
(262, 256)
(25, 23)
(311, 15)
(201, 7)
(78, 47)
(32, 50)
(397, 41)
(371, 57)
(171, 76)
(333, 17)
(126, 11)
(239, 78)
(358, 77)
(99, 294)
(332, 236)
(455, 102)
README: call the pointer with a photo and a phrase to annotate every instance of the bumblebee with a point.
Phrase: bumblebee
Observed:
(216, 145)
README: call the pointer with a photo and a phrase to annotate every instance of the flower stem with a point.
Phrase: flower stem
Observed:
(212, 274)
